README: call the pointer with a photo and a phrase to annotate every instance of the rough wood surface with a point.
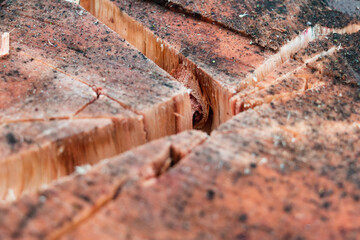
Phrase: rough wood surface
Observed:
(288, 169)
(269, 23)
(79, 196)
(285, 166)
(283, 171)
(206, 58)
(219, 50)
(73, 92)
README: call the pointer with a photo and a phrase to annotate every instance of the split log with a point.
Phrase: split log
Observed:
(52, 212)
(284, 167)
(206, 58)
(271, 24)
(73, 92)
(219, 50)
(292, 162)
(282, 170)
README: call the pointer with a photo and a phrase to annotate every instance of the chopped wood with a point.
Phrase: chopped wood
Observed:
(102, 183)
(270, 24)
(253, 171)
(180, 46)
(256, 168)
(5, 44)
(284, 107)
(247, 161)
(212, 51)
(66, 103)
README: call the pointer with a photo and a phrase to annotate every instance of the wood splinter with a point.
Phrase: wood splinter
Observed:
(4, 45)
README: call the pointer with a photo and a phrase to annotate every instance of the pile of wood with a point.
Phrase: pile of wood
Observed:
(276, 82)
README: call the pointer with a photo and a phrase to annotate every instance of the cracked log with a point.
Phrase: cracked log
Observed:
(219, 50)
(285, 167)
(103, 183)
(282, 170)
(73, 92)
(270, 24)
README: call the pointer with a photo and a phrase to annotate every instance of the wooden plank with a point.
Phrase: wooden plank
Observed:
(70, 80)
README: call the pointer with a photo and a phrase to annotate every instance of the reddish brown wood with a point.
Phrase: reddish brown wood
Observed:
(285, 167)
(269, 23)
(76, 198)
(216, 51)
(208, 59)
(277, 172)
(73, 92)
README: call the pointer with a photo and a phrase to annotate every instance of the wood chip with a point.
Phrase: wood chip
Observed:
(4, 44)
(74, 1)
